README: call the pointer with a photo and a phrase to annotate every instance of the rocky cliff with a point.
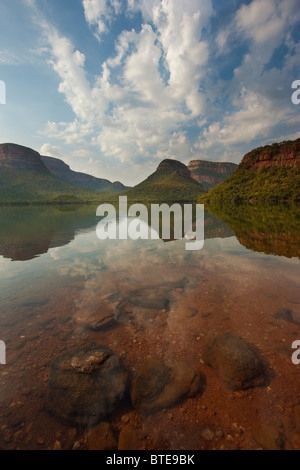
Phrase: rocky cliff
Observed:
(278, 155)
(21, 158)
(210, 174)
(270, 173)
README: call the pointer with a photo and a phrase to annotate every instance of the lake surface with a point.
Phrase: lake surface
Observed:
(57, 278)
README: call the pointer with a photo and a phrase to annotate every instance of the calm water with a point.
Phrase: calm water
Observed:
(56, 277)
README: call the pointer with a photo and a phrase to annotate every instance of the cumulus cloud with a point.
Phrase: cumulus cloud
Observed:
(69, 65)
(258, 95)
(146, 91)
(162, 84)
(262, 20)
(51, 150)
(178, 26)
(75, 132)
(100, 14)
(256, 117)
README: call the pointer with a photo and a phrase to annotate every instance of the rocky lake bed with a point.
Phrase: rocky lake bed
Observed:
(146, 346)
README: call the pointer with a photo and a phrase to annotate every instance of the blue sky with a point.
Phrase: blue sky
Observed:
(115, 86)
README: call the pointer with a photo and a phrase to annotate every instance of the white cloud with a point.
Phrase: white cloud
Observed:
(256, 116)
(69, 65)
(265, 23)
(10, 58)
(49, 150)
(139, 115)
(179, 28)
(259, 96)
(100, 13)
(141, 71)
(263, 20)
(74, 132)
(161, 81)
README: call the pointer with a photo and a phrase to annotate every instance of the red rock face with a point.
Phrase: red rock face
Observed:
(217, 167)
(211, 173)
(212, 180)
(21, 158)
(283, 155)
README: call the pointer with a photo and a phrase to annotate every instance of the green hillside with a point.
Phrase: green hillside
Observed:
(268, 184)
(267, 228)
(171, 182)
(23, 186)
(270, 173)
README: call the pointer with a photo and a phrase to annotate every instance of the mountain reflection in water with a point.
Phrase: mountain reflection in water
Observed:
(27, 232)
(66, 289)
(270, 229)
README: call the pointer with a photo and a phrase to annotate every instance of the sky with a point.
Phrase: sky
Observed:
(113, 87)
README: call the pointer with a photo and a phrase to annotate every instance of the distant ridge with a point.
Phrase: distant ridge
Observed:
(24, 178)
(210, 174)
(62, 171)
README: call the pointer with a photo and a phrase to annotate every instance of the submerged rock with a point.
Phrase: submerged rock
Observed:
(207, 434)
(129, 439)
(89, 361)
(234, 361)
(268, 437)
(101, 437)
(57, 446)
(85, 385)
(151, 298)
(297, 417)
(143, 317)
(288, 315)
(97, 319)
(161, 385)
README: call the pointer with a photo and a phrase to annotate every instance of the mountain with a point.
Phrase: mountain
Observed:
(270, 173)
(17, 157)
(210, 174)
(171, 182)
(62, 171)
(265, 228)
(27, 232)
(24, 178)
